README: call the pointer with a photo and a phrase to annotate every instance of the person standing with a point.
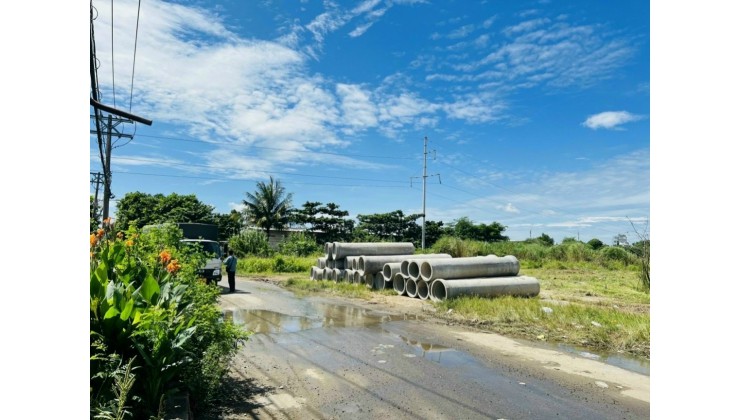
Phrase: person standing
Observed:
(230, 262)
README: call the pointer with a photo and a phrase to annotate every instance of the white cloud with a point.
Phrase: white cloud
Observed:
(541, 52)
(610, 119)
(357, 108)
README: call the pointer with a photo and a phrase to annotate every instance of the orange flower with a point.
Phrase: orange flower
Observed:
(165, 257)
(107, 221)
(130, 242)
(93, 239)
(101, 232)
(173, 266)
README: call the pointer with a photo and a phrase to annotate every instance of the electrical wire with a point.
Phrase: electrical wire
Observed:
(133, 68)
(188, 165)
(286, 182)
(222, 143)
(112, 55)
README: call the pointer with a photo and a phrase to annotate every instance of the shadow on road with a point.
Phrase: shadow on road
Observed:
(237, 399)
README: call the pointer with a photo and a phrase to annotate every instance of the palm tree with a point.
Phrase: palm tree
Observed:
(269, 206)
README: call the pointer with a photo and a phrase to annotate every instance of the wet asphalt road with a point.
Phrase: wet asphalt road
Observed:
(313, 358)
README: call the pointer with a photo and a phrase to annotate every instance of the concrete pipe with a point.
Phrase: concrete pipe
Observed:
(410, 288)
(327, 273)
(330, 264)
(378, 281)
(422, 289)
(399, 283)
(338, 275)
(357, 277)
(414, 272)
(349, 275)
(523, 286)
(374, 263)
(311, 273)
(340, 263)
(369, 279)
(344, 249)
(351, 262)
(419, 257)
(390, 269)
(470, 267)
(321, 262)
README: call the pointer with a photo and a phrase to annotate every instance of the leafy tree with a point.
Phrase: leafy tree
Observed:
(464, 228)
(393, 226)
(228, 224)
(183, 209)
(545, 239)
(595, 244)
(142, 209)
(327, 222)
(269, 207)
(569, 239)
(434, 230)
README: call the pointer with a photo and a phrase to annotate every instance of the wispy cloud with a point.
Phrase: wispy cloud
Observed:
(538, 52)
(610, 119)
(601, 197)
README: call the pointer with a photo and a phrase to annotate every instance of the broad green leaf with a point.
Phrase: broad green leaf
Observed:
(149, 288)
(127, 309)
(137, 316)
(112, 311)
(102, 272)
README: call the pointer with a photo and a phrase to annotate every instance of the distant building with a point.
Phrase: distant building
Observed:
(278, 235)
(621, 240)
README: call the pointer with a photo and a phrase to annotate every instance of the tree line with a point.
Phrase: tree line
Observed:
(270, 207)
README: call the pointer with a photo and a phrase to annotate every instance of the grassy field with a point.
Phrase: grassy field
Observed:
(586, 305)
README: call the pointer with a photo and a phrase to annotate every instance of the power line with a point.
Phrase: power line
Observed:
(276, 148)
(242, 180)
(112, 56)
(133, 67)
(260, 171)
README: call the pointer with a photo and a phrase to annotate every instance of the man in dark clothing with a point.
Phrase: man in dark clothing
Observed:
(230, 262)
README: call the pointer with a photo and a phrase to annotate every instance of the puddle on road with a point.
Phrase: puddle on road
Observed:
(329, 316)
(340, 316)
(621, 361)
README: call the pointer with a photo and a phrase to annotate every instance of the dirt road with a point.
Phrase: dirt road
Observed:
(320, 358)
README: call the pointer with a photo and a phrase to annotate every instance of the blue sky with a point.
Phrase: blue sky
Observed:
(537, 113)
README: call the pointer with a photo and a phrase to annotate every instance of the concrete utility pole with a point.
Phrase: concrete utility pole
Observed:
(424, 177)
(97, 178)
(102, 130)
(107, 128)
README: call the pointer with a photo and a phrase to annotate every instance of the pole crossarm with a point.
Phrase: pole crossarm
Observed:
(109, 109)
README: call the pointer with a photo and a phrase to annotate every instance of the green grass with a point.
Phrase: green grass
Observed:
(599, 328)
(276, 264)
(343, 289)
(597, 304)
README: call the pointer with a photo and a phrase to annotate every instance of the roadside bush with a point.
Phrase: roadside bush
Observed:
(251, 242)
(595, 244)
(455, 246)
(299, 244)
(277, 264)
(617, 254)
(154, 327)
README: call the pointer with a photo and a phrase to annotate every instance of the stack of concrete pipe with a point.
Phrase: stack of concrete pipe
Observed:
(345, 261)
(487, 276)
(381, 265)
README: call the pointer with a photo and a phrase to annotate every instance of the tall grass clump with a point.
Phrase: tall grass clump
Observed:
(276, 264)
(250, 242)
(299, 244)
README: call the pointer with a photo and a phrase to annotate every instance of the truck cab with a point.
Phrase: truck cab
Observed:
(212, 270)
